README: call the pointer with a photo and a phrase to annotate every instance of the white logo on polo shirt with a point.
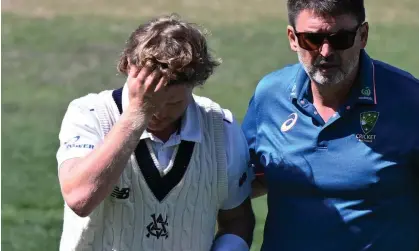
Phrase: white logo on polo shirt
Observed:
(290, 122)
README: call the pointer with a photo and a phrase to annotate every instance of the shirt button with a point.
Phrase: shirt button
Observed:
(348, 107)
(322, 144)
(315, 113)
(302, 102)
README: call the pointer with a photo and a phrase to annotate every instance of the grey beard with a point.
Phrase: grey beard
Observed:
(338, 78)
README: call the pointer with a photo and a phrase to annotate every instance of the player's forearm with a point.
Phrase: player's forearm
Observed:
(87, 181)
(235, 228)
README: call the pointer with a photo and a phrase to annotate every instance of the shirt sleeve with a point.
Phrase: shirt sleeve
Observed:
(240, 176)
(79, 133)
(249, 128)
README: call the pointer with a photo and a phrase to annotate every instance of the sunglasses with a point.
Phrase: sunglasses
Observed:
(341, 40)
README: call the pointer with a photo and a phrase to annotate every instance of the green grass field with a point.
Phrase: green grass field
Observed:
(55, 51)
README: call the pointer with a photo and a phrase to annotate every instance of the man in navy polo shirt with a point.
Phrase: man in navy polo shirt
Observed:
(335, 139)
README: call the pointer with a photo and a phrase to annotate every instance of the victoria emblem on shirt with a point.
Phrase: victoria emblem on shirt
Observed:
(157, 227)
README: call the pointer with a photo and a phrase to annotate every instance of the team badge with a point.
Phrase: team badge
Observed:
(368, 121)
(157, 227)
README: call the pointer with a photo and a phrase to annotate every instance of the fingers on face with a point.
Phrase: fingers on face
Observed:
(144, 74)
(162, 83)
(133, 71)
(151, 77)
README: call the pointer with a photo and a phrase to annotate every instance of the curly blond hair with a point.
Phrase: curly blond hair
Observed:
(177, 47)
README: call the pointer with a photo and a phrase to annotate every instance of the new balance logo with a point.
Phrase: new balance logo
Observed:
(122, 193)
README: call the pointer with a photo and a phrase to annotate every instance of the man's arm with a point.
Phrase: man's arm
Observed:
(259, 186)
(249, 127)
(86, 180)
(235, 228)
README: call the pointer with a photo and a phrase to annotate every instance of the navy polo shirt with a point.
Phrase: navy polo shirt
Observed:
(350, 183)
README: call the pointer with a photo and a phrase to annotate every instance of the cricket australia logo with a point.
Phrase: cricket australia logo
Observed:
(157, 227)
(368, 121)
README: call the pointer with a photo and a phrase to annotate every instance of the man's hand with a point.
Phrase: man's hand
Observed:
(148, 91)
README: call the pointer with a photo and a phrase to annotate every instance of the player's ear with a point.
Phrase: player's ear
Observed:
(292, 38)
(364, 34)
